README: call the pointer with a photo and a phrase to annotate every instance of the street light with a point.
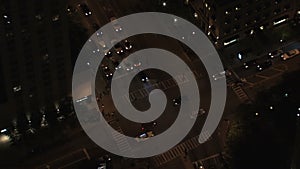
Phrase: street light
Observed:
(164, 3)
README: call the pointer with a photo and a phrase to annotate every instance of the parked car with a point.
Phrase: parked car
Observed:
(290, 54)
(275, 54)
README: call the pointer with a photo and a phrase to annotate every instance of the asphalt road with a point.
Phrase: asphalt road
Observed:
(119, 8)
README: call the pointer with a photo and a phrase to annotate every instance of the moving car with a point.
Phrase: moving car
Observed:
(115, 24)
(264, 65)
(119, 49)
(127, 45)
(219, 75)
(176, 101)
(249, 64)
(144, 77)
(85, 9)
(290, 54)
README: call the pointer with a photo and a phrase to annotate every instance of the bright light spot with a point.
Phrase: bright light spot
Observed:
(271, 107)
(175, 19)
(90, 40)
(201, 167)
(5, 16)
(286, 94)
(252, 31)
(182, 37)
(226, 12)
(217, 37)
(298, 12)
(280, 21)
(193, 33)
(206, 5)
(261, 27)
(256, 114)
(281, 40)
(4, 138)
(195, 15)
(240, 56)
(88, 63)
(298, 115)
(230, 42)
(3, 130)
(164, 4)
(299, 109)
(208, 33)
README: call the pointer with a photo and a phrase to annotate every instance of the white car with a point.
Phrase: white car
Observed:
(115, 24)
(144, 136)
(290, 54)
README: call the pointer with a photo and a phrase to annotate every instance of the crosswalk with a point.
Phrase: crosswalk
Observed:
(176, 151)
(242, 95)
(120, 138)
(163, 85)
(213, 161)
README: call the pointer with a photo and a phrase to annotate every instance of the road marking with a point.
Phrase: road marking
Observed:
(176, 151)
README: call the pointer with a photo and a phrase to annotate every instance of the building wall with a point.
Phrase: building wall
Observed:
(226, 20)
(35, 55)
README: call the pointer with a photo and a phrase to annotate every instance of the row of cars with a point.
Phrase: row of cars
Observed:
(262, 65)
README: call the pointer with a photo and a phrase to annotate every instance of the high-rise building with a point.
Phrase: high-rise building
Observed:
(36, 67)
(228, 21)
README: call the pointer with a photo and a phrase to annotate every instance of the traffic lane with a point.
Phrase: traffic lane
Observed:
(85, 21)
(143, 104)
(242, 72)
(99, 13)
